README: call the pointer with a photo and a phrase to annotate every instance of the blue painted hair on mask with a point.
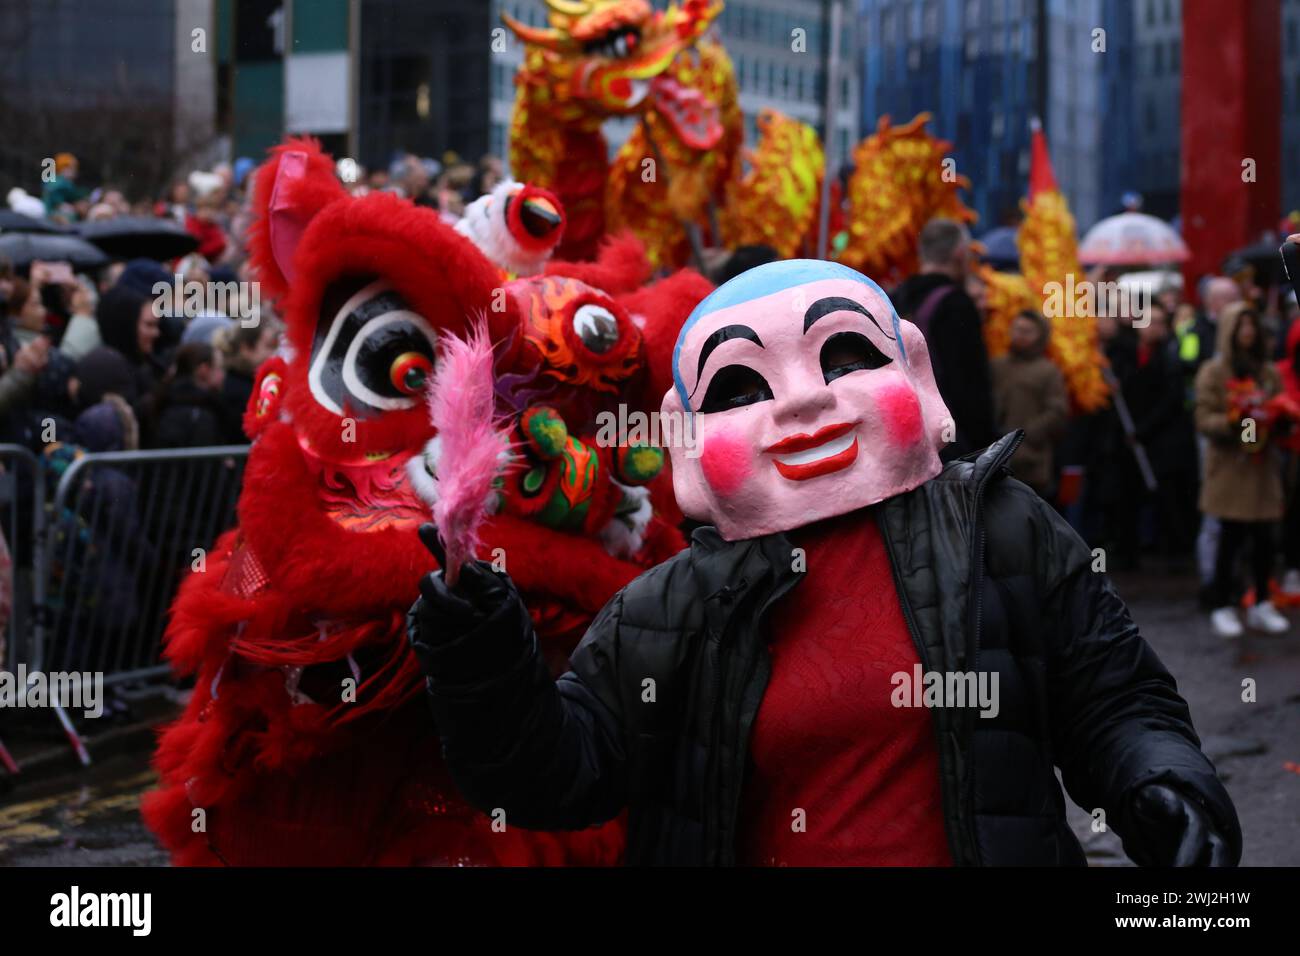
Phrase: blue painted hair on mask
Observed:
(765, 280)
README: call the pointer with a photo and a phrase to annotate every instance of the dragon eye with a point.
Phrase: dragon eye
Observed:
(596, 327)
(409, 372)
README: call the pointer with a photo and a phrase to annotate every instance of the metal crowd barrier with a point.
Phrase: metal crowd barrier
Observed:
(22, 497)
(122, 530)
(97, 558)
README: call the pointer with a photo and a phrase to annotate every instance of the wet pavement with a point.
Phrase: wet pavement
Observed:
(1254, 745)
(91, 816)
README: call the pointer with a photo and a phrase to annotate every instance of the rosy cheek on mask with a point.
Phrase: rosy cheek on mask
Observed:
(900, 410)
(725, 461)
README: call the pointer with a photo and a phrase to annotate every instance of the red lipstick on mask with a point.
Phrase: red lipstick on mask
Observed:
(826, 450)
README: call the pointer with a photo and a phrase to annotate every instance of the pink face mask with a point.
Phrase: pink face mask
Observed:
(810, 399)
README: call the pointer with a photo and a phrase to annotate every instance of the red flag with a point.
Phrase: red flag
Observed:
(1041, 176)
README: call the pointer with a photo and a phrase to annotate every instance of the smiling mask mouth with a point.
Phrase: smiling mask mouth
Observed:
(827, 450)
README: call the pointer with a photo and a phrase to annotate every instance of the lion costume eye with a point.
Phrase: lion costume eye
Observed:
(373, 354)
(595, 327)
(409, 372)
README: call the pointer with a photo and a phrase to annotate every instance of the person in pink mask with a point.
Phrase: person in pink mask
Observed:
(865, 657)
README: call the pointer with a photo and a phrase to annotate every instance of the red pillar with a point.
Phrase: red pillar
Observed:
(1231, 111)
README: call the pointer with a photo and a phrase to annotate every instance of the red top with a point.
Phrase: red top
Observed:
(827, 741)
(211, 237)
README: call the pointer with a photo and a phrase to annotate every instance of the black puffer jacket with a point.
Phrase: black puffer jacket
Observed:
(991, 579)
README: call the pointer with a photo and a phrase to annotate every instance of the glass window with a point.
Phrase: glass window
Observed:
(930, 20)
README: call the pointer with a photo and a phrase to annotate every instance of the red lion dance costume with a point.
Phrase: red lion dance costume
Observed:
(306, 741)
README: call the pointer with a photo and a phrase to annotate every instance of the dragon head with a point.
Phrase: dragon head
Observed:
(608, 52)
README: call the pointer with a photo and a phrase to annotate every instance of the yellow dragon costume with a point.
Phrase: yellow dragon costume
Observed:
(683, 169)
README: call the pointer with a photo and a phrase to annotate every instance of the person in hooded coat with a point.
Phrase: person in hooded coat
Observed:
(99, 547)
(128, 326)
(1242, 486)
(1029, 393)
(1289, 370)
(189, 412)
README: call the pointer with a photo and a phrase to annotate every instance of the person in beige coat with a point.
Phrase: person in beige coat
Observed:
(1029, 393)
(1243, 481)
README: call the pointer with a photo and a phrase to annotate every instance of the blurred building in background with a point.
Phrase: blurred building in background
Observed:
(119, 84)
(1291, 104)
(760, 36)
(368, 77)
(1155, 95)
(983, 67)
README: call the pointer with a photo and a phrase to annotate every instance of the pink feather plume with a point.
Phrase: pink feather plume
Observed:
(462, 408)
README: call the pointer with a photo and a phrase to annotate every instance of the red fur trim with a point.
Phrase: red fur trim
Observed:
(320, 565)
(621, 266)
(314, 192)
(571, 568)
(666, 306)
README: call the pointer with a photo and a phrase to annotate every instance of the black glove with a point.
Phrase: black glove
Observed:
(1165, 828)
(444, 613)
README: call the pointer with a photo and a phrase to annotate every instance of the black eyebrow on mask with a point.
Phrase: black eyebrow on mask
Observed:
(824, 307)
(724, 334)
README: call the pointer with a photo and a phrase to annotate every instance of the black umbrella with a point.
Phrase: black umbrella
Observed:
(24, 248)
(140, 237)
(1262, 256)
(11, 221)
